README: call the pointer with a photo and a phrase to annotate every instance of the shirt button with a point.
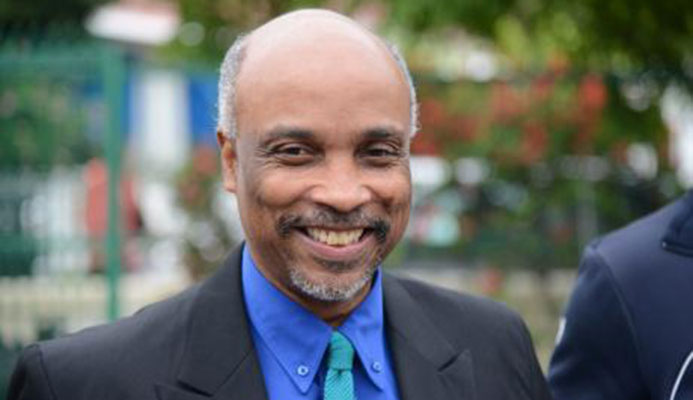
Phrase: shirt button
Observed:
(377, 367)
(302, 370)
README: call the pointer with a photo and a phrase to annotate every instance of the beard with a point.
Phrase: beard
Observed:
(332, 288)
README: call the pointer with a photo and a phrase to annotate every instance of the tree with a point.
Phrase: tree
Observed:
(37, 14)
(210, 26)
(631, 37)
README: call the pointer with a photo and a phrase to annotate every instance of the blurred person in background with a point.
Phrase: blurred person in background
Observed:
(96, 215)
(628, 328)
(316, 115)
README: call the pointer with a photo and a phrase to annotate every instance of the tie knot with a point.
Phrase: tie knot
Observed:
(341, 353)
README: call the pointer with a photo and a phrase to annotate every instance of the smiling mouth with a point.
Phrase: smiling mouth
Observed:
(336, 238)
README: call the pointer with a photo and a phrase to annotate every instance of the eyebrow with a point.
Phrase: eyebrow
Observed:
(287, 132)
(297, 133)
(383, 133)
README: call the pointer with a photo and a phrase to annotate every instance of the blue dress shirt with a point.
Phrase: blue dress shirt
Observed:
(291, 342)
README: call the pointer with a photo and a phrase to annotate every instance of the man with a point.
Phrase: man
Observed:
(628, 328)
(315, 120)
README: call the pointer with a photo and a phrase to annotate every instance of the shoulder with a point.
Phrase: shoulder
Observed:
(465, 318)
(444, 301)
(165, 316)
(140, 347)
(634, 259)
(618, 272)
(494, 336)
(645, 241)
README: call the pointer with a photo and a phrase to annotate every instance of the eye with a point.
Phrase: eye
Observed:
(293, 153)
(293, 150)
(381, 154)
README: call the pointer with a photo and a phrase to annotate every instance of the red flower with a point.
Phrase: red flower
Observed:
(424, 143)
(432, 113)
(592, 94)
(535, 141)
(505, 102)
(542, 87)
(463, 127)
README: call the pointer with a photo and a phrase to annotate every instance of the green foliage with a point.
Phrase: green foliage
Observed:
(45, 116)
(37, 13)
(555, 145)
(622, 36)
(217, 23)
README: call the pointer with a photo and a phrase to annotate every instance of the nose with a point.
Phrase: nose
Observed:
(342, 187)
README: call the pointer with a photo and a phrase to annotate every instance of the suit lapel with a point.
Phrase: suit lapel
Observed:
(219, 360)
(427, 365)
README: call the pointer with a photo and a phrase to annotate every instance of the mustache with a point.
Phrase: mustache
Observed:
(334, 219)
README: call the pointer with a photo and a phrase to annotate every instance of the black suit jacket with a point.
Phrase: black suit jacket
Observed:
(197, 346)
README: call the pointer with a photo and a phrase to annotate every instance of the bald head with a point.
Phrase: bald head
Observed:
(304, 44)
(309, 24)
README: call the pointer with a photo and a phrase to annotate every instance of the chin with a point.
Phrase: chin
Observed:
(335, 287)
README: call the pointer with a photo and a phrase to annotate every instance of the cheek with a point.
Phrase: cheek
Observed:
(395, 190)
(272, 189)
(262, 200)
(262, 186)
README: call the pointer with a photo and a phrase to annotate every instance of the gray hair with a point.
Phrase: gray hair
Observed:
(226, 123)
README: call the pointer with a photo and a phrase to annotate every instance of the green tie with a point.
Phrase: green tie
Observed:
(339, 382)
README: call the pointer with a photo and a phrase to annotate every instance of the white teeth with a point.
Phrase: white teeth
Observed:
(335, 238)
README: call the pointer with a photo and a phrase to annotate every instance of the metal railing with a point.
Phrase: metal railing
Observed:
(60, 105)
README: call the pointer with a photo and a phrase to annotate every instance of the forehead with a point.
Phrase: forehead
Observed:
(319, 35)
(319, 68)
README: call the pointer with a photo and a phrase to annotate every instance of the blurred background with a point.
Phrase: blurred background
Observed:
(544, 123)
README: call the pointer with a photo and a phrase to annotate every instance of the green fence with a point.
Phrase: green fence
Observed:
(60, 120)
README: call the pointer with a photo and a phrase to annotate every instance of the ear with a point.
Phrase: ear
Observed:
(229, 161)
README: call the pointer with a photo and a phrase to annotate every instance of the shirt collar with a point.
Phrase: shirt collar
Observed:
(364, 328)
(298, 339)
